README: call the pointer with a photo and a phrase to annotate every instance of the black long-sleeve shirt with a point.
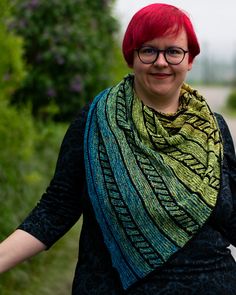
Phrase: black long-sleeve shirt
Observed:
(203, 266)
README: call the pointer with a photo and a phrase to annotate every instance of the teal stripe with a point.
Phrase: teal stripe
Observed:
(128, 277)
(127, 187)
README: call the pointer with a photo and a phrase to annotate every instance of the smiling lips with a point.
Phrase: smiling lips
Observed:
(160, 75)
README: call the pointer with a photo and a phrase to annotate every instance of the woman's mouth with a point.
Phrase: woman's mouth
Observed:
(160, 75)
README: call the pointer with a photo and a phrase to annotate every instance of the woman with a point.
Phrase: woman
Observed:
(153, 171)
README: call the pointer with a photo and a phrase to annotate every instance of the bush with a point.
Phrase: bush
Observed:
(27, 159)
(12, 67)
(16, 140)
(28, 155)
(68, 50)
(231, 100)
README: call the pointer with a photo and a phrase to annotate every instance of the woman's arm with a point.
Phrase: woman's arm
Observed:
(59, 208)
(18, 247)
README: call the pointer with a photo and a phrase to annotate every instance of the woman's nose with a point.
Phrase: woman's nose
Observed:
(161, 60)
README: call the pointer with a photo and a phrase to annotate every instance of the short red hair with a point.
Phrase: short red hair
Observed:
(157, 20)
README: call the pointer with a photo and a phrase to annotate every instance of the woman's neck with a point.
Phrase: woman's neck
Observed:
(165, 107)
(163, 104)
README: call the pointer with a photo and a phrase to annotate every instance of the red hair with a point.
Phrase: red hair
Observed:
(157, 20)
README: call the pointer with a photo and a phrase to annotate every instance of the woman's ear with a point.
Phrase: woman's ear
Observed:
(190, 65)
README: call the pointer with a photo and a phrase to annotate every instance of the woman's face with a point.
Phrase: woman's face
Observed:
(161, 81)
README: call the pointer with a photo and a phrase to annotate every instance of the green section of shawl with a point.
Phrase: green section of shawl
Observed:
(188, 141)
(153, 179)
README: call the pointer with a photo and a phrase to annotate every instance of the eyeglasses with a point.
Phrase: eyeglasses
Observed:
(173, 55)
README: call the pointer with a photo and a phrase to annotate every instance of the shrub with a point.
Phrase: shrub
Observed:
(68, 50)
(12, 67)
(17, 145)
(231, 100)
(28, 155)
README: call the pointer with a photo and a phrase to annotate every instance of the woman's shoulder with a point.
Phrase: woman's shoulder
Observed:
(77, 125)
(72, 142)
(81, 117)
(220, 119)
(226, 134)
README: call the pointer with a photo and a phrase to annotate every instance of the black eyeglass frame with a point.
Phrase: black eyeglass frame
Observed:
(158, 51)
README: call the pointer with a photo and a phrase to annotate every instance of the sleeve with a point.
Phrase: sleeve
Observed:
(61, 205)
(229, 153)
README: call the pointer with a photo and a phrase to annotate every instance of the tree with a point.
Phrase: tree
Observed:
(12, 68)
(68, 51)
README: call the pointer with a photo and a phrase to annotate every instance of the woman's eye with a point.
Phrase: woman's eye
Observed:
(148, 50)
(174, 51)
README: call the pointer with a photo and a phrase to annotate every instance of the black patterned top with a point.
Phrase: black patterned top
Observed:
(204, 266)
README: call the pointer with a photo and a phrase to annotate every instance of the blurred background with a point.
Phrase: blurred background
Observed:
(54, 57)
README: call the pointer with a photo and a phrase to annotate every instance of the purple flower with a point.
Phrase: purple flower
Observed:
(22, 23)
(59, 59)
(33, 4)
(76, 84)
(7, 76)
(51, 92)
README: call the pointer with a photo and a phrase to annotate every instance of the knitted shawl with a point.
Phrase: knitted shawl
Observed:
(153, 179)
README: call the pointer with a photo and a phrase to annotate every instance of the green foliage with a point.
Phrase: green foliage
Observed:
(22, 173)
(68, 50)
(231, 100)
(12, 68)
(28, 155)
(4, 9)
(119, 69)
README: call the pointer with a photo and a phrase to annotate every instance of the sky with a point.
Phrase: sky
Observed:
(214, 22)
